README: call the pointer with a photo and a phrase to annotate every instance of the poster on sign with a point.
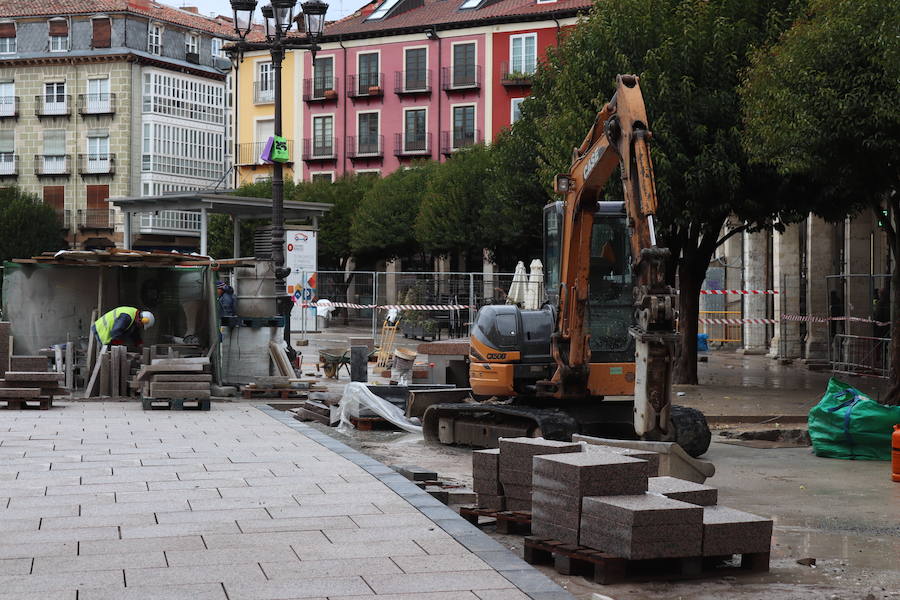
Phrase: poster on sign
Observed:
(300, 258)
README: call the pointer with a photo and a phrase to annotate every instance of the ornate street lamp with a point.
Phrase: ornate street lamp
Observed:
(279, 18)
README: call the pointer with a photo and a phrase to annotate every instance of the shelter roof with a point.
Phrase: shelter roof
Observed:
(220, 203)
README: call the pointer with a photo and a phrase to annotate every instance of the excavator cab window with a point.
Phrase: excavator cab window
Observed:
(553, 231)
(610, 300)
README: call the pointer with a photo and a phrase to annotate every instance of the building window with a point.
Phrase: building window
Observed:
(415, 131)
(191, 44)
(55, 98)
(7, 151)
(323, 76)
(98, 96)
(368, 133)
(368, 72)
(7, 98)
(523, 53)
(102, 32)
(7, 38)
(515, 109)
(154, 39)
(185, 151)
(171, 95)
(322, 177)
(265, 83)
(464, 65)
(463, 126)
(323, 136)
(59, 35)
(97, 154)
(216, 48)
(55, 196)
(416, 75)
(54, 157)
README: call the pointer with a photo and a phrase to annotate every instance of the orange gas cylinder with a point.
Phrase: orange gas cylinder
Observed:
(895, 454)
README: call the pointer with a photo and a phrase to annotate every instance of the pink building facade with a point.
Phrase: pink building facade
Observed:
(395, 84)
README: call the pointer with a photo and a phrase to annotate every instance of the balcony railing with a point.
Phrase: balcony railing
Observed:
(412, 145)
(457, 140)
(9, 107)
(417, 81)
(97, 164)
(96, 218)
(52, 165)
(514, 78)
(365, 85)
(177, 222)
(9, 164)
(53, 105)
(97, 104)
(64, 218)
(263, 92)
(320, 89)
(320, 148)
(461, 77)
(365, 147)
(248, 153)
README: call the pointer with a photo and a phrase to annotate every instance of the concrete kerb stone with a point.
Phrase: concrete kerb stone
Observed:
(529, 580)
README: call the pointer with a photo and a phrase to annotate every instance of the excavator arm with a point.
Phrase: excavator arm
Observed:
(619, 138)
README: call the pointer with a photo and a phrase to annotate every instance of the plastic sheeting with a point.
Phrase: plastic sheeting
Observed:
(357, 396)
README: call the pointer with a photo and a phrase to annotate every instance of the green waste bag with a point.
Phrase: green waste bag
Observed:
(280, 150)
(848, 424)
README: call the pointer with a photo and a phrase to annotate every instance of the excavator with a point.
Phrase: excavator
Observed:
(597, 357)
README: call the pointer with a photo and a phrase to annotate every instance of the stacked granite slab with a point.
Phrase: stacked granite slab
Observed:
(176, 379)
(686, 491)
(18, 387)
(642, 526)
(28, 363)
(516, 466)
(486, 479)
(561, 481)
(727, 531)
(651, 457)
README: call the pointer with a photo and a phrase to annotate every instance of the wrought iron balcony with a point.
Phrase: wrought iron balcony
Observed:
(263, 92)
(53, 105)
(52, 165)
(451, 141)
(365, 85)
(97, 164)
(461, 78)
(320, 89)
(514, 78)
(9, 107)
(9, 164)
(319, 148)
(248, 153)
(97, 104)
(365, 147)
(415, 81)
(412, 145)
(96, 218)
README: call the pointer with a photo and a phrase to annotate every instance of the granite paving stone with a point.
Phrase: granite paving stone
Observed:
(641, 510)
(175, 575)
(440, 563)
(299, 588)
(434, 582)
(330, 568)
(199, 591)
(686, 491)
(728, 531)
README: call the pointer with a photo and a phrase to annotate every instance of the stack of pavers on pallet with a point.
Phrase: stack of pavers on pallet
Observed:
(176, 383)
(609, 499)
(31, 389)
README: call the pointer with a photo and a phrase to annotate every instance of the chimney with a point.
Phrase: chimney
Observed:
(191, 9)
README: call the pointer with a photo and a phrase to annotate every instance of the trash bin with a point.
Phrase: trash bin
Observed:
(702, 342)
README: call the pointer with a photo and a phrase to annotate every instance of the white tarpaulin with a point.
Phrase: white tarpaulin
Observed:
(534, 295)
(519, 283)
(357, 396)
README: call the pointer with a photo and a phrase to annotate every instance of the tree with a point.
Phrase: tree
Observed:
(689, 55)
(27, 226)
(821, 104)
(448, 219)
(383, 228)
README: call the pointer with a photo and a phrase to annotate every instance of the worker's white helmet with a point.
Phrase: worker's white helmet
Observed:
(147, 318)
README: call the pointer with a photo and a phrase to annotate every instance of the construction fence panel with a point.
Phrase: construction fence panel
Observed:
(859, 315)
(352, 292)
(715, 309)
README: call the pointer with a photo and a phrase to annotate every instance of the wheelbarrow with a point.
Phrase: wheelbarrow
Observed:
(332, 360)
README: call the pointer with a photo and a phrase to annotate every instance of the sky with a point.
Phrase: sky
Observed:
(337, 9)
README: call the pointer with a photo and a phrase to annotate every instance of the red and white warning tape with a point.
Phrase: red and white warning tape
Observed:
(792, 318)
(741, 292)
(330, 304)
(737, 321)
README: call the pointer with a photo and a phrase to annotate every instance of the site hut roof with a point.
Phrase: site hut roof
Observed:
(223, 203)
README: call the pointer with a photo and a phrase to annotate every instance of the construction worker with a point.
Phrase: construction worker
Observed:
(226, 299)
(122, 326)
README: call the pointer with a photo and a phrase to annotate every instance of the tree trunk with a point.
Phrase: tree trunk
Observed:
(690, 278)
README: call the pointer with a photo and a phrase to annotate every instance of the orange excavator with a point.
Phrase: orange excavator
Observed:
(597, 357)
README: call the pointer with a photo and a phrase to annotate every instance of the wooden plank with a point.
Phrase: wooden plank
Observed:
(92, 343)
(93, 384)
(164, 377)
(20, 392)
(196, 360)
(115, 364)
(124, 373)
(104, 374)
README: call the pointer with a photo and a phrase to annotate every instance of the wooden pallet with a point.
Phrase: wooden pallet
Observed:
(279, 393)
(26, 403)
(370, 423)
(603, 568)
(507, 521)
(175, 404)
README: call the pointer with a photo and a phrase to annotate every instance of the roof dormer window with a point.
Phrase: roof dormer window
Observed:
(59, 35)
(8, 37)
(382, 10)
(155, 38)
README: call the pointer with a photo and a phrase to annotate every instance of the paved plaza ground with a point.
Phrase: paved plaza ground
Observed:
(105, 501)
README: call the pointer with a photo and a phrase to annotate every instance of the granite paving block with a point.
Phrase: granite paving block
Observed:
(299, 588)
(435, 582)
(687, 534)
(501, 595)
(67, 549)
(728, 531)
(307, 569)
(545, 528)
(189, 558)
(651, 457)
(199, 591)
(520, 492)
(641, 510)
(487, 486)
(132, 545)
(54, 595)
(517, 504)
(516, 453)
(515, 477)
(426, 596)
(61, 535)
(372, 549)
(440, 563)
(491, 501)
(175, 575)
(29, 584)
(686, 491)
(634, 550)
(15, 566)
(566, 518)
(486, 463)
(415, 473)
(591, 474)
(220, 541)
(297, 524)
(98, 521)
(399, 520)
(99, 562)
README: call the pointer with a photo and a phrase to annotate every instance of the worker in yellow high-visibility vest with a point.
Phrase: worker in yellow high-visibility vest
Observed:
(122, 326)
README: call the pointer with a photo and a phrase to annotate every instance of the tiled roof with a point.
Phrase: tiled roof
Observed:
(445, 14)
(35, 8)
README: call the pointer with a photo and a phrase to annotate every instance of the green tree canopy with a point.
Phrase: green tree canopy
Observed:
(689, 55)
(27, 226)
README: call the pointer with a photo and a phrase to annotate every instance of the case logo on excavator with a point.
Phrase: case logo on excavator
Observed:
(496, 355)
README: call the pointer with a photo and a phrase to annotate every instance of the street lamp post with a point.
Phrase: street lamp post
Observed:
(279, 18)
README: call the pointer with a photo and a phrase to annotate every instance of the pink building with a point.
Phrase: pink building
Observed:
(402, 80)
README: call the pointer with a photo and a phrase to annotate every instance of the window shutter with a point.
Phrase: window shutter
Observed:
(97, 195)
(54, 142)
(7, 140)
(7, 30)
(55, 196)
(59, 27)
(102, 33)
